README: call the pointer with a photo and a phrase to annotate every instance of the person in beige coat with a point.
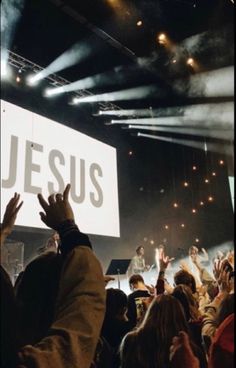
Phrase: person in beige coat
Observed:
(80, 306)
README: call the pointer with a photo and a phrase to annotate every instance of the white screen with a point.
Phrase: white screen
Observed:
(41, 155)
(231, 185)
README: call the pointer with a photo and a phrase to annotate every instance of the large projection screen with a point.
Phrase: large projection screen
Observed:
(41, 155)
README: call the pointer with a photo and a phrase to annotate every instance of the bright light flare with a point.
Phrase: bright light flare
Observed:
(190, 61)
(161, 38)
(53, 91)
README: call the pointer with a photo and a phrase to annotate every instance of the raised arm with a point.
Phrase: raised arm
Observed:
(80, 307)
(9, 217)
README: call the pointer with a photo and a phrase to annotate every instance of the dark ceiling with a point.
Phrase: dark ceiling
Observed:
(48, 28)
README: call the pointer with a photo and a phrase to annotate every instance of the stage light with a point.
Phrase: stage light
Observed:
(173, 61)
(182, 225)
(190, 61)
(166, 227)
(18, 79)
(31, 80)
(175, 205)
(221, 162)
(186, 184)
(152, 242)
(194, 210)
(194, 168)
(201, 203)
(213, 174)
(197, 240)
(210, 199)
(130, 153)
(206, 180)
(139, 23)
(161, 38)
(75, 100)
(54, 91)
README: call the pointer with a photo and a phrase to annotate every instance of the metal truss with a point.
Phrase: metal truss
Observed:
(24, 64)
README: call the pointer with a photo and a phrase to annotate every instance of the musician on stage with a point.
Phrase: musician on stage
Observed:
(138, 264)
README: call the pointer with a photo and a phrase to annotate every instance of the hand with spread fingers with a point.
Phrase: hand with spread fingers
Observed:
(10, 215)
(57, 209)
(164, 261)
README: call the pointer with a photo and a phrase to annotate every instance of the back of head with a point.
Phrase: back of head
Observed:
(164, 319)
(222, 347)
(135, 279)
(116, 303)
(184, 294)
(185, 278)
(36, 295)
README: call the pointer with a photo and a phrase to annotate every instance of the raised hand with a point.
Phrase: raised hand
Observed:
(184, 266)
(10, 214)
(222, 275)
(57, 209)
(164, 261)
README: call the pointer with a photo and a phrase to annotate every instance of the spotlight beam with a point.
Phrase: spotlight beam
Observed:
(218, 134)
(213, 147)
(70, 57)
(216, 83)
(223, 111)
(206, 122)
(124, 95)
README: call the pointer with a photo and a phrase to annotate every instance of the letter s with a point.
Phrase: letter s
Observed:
(99, 201)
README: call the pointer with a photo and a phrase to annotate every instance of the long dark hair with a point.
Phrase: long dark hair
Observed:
(184, 294)
(149, 345)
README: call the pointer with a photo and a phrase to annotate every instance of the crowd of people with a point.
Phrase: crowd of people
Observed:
(61, 313)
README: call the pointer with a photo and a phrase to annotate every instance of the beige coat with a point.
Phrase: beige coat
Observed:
(80, 309)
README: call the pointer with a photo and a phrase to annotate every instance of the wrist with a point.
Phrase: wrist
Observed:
(71, 236)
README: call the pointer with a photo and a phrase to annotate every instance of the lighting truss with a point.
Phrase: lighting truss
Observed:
(22, 64)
